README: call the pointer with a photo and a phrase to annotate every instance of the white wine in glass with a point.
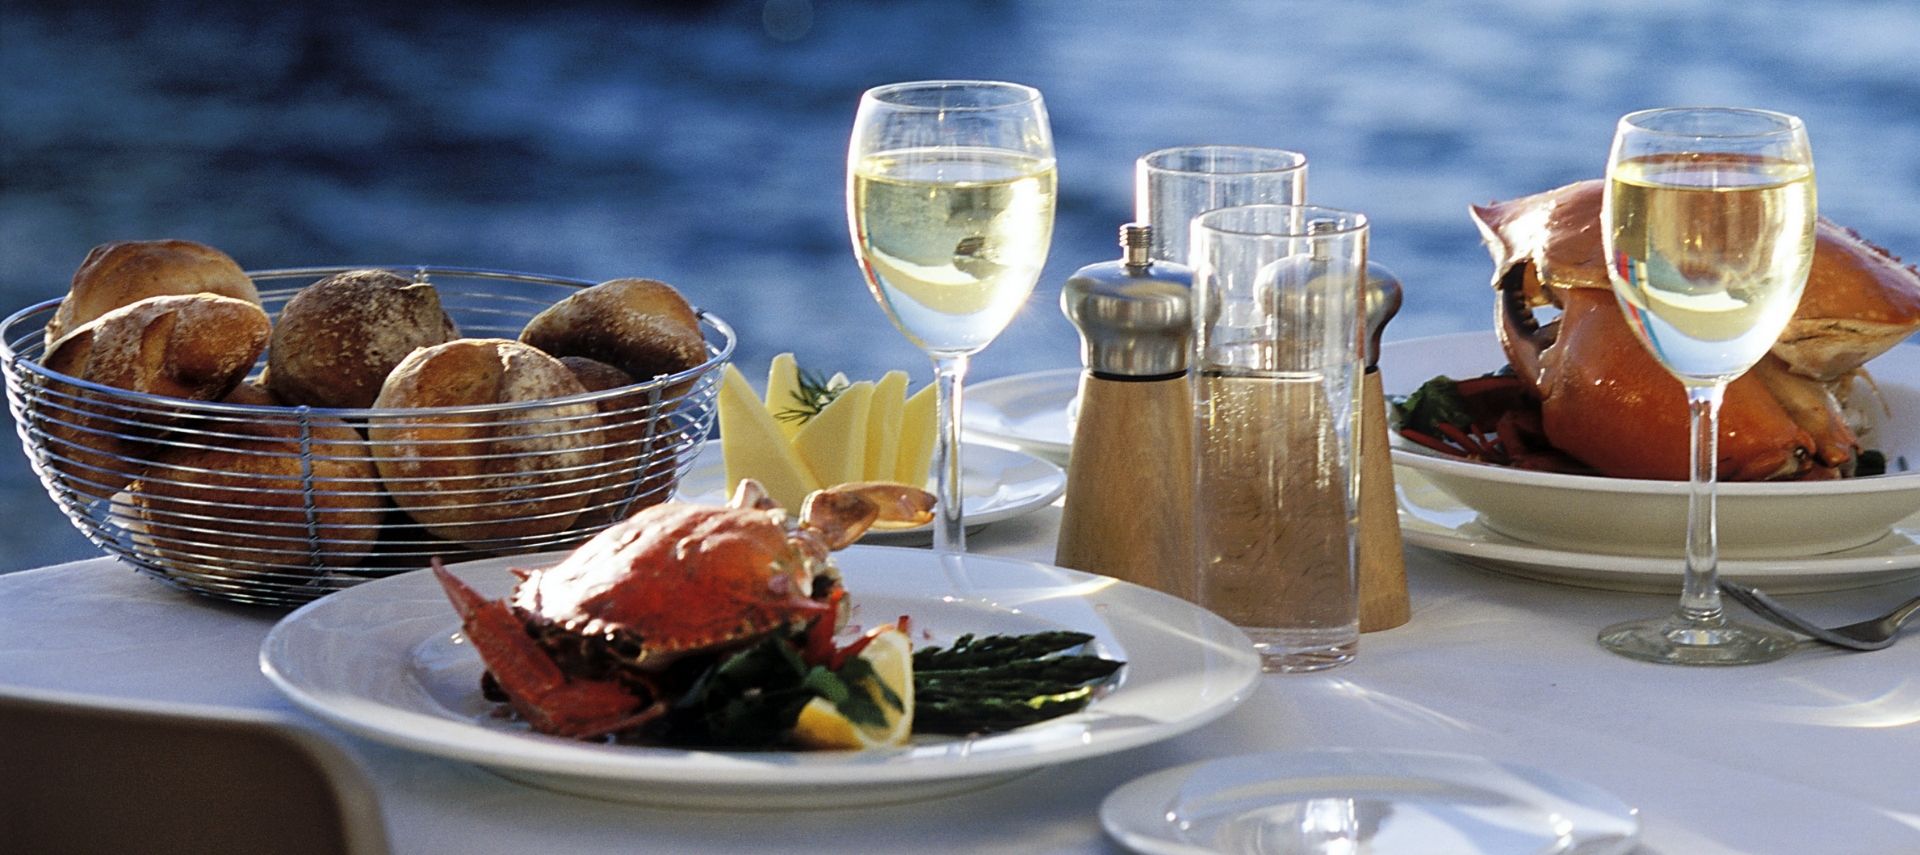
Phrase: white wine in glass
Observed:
(950, 200)
(1709, 222)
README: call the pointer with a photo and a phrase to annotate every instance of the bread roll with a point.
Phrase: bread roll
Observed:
(250, 497)
(638, 471)
(640, 326)
(126, 272)
(338, 338)
(197, 347)
(479, 478)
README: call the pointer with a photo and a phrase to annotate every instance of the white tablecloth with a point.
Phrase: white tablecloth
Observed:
(1818, 753)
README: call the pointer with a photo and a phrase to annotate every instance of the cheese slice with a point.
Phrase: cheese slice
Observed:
(883, 426)
(753, 447)
(783, 392)
(915, 460)
(833, 443)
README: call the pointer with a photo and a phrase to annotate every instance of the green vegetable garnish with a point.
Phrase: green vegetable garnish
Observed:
(1437, 400)
(1000, 682)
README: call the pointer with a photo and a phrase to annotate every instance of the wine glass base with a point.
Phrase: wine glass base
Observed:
(1674, 640)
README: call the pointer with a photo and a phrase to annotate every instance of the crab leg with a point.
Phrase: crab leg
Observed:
(537, 689)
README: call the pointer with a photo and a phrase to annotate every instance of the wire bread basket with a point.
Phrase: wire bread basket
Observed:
(278, 506)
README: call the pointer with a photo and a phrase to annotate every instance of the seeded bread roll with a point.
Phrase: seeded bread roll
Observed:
(337, 339)
(479, 478)
(197, 347)
(126, 272)
(638, 472)
(640, 326)
(235, 502)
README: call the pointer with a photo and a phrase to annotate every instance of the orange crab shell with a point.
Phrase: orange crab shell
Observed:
(681, 577)
(1859, 302)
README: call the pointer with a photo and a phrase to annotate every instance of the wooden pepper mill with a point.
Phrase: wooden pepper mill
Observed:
(1382, 562)
(1128, 508)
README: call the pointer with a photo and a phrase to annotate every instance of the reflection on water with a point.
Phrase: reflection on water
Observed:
(705, 144)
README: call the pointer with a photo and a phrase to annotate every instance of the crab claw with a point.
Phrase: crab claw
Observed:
(841, 514)
(536, 688)
(752, 495)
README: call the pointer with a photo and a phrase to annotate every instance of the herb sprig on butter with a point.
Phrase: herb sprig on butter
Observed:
(815, 392)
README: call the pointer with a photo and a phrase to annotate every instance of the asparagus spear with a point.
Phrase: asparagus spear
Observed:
(996, 683)
(960, 716)
(970, 652)
(1063, 670)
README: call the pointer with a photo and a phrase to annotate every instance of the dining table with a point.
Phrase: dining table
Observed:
(1816, 753)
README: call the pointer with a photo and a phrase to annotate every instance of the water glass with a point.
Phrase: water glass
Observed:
(1277, 373)
(1174, 185)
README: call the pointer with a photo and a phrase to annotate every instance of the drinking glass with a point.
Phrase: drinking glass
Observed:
(950, 197)
(1173, 185)
(1708, 221)
(1277, 372)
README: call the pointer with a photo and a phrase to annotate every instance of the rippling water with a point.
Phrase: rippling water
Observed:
(704, 144)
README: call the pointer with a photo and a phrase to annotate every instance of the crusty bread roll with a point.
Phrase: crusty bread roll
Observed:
(338, 338)
(126, 272)
(480, 477)
(248, 497)
(640, 326)
(197, 347)
(637, 471)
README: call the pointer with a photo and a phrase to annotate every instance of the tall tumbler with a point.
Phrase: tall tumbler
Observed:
(1173, 185)
(1279, 325)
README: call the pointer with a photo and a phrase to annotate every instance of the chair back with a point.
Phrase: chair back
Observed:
(85, 774)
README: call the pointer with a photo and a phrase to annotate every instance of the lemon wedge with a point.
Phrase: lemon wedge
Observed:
(822, 726)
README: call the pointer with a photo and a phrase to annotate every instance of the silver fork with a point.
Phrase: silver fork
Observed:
(1871, 634)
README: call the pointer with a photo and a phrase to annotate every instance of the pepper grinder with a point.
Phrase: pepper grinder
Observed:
(1382, 561)
(1128, 508)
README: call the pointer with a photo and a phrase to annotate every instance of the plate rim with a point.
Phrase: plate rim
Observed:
(1138, 833)
(1490, 545)
(987, 388)
(451, 738)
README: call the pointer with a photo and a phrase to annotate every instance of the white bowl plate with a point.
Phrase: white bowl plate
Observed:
(1629, 517)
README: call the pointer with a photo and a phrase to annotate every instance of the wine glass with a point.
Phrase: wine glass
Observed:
(950, 196)
(1708, 223)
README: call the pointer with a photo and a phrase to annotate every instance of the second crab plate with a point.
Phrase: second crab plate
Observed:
(1639, 517)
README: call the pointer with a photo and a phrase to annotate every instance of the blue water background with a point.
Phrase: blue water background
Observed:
(704, 144)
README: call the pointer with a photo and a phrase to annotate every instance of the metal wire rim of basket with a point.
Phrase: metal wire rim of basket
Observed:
(315, 516)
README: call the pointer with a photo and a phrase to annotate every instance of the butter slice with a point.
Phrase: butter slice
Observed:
(783, 392)
(833, 443)
(753, 446)
(883, 426)
(915, 460)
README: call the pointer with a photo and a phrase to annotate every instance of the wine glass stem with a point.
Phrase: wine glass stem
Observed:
(1700, 593)
(949, 531)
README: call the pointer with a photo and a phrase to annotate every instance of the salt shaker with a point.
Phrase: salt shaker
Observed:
(1128, 505)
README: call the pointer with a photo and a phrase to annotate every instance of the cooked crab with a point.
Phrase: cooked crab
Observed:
(578, 649)
(1607, 402)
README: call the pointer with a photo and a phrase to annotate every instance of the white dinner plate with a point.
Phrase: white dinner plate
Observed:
(1032, 412)
(1432, 518)
(996, 484)
(386, 660)
(1382, 802)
